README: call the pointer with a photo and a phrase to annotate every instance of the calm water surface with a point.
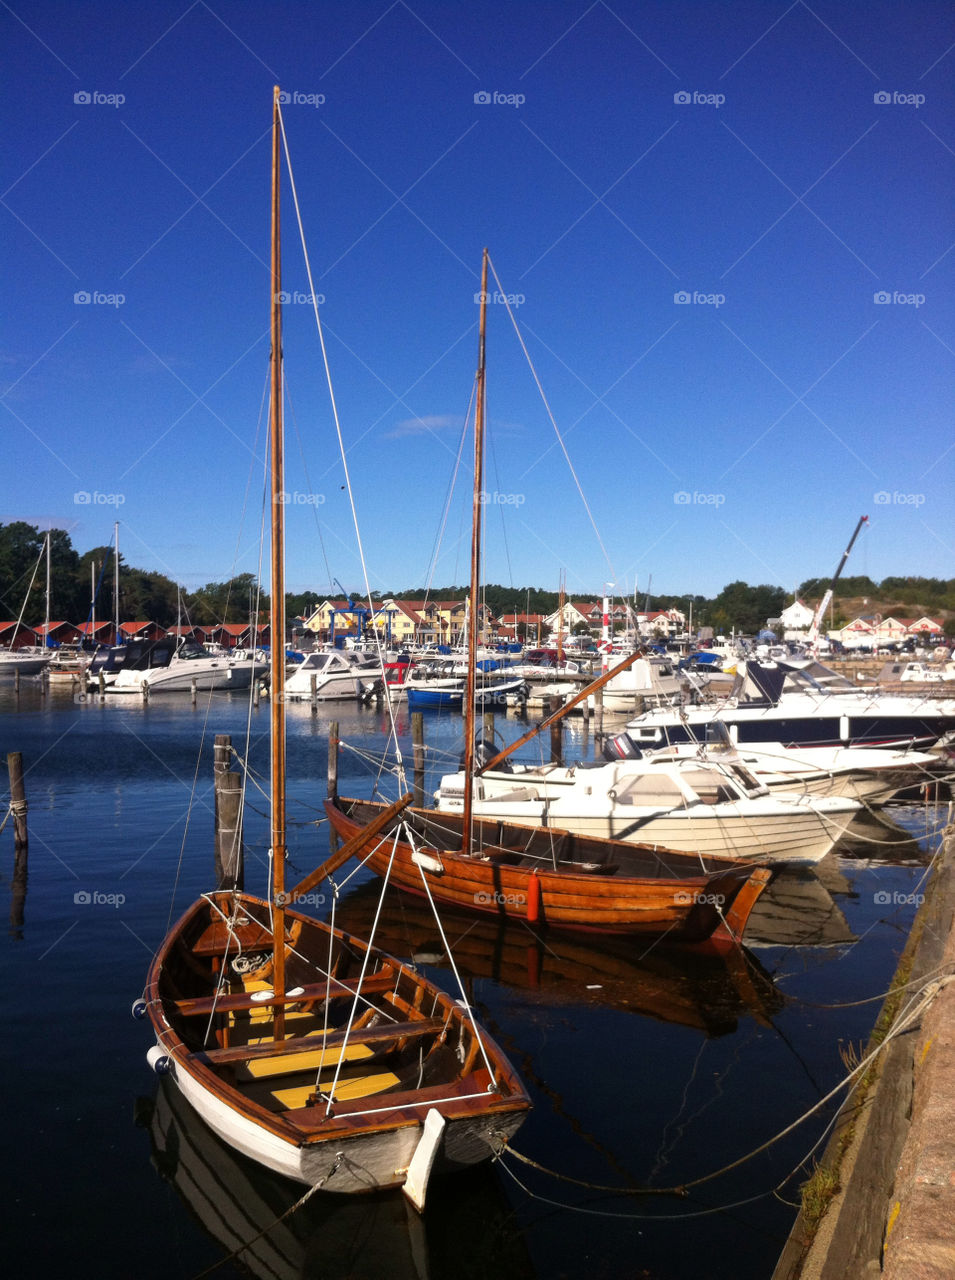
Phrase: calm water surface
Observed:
(645, 1067)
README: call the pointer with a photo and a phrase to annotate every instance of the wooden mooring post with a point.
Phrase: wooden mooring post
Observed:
(18, 802)
(229, 851)
(333, 745)
(417, 755)
(18, 811)
(487, 726)
(556, 731)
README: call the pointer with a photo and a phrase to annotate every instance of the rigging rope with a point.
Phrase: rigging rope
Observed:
(338, 431)
(553, 422)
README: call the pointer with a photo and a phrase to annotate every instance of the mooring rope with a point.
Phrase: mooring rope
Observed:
(904, 1020)
(339, 1158)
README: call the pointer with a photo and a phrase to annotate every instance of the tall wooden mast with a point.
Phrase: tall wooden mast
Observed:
(277, 613)
(473, 608)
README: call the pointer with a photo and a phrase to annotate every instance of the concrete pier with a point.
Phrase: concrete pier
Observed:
(892, 1151)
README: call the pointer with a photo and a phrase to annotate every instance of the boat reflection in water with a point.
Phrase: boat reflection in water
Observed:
(799, 910)
(705, 992)
(241, 1205)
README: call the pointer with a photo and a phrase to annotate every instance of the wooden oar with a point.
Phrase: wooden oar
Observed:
(351, 847)
(561, 711)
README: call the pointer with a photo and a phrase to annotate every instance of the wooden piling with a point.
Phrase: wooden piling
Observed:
(18, 802)
(556, 731)
(227, 788)
(195, 690)
(230, 855)
(333, 744)
(487, 726)
(598, 716)
(417, 752)
(314, 683)
(18, 893)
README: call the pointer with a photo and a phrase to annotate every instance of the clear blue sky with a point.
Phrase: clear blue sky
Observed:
(778, 165)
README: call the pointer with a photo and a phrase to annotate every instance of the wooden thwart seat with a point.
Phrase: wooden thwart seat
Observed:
(382, 1033)
(230, 1002)
(347, 1089)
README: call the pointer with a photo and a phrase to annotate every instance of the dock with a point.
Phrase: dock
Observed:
(883, 1199)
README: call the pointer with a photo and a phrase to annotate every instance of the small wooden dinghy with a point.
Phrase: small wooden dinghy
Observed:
(376, 1077)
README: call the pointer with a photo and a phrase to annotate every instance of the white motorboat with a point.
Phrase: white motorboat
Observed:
(191, 666)
(872, 775)
(799, 705)
(332, 675)
(714, 809)
(24, 662)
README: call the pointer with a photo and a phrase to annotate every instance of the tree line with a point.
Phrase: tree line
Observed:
(145, 595)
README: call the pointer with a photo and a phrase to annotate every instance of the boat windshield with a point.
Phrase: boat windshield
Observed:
(191, 650)
(817, 678)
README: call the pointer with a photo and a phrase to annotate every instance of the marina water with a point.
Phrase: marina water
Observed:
(647, 1068)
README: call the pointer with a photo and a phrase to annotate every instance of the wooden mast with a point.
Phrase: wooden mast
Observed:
(473, 611)
(277, 613)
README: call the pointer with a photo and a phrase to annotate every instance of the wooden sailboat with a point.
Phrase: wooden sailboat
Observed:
(546, 876)
(306, 1049)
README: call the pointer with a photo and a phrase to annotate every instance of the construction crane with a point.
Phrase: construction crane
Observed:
(825, 601)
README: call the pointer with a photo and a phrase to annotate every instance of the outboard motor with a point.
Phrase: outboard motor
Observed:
(622, 747)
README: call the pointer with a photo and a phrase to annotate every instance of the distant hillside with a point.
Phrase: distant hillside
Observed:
(845, 608)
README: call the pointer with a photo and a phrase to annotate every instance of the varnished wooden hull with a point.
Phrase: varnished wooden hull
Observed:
(432, 1059)
(553, 878)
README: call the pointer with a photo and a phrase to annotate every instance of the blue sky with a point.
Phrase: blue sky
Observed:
(727, 230)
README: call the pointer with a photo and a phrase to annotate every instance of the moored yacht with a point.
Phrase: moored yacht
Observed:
(708, 808)
(799, 705)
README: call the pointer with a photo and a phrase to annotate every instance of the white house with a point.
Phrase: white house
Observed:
(795, 619)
